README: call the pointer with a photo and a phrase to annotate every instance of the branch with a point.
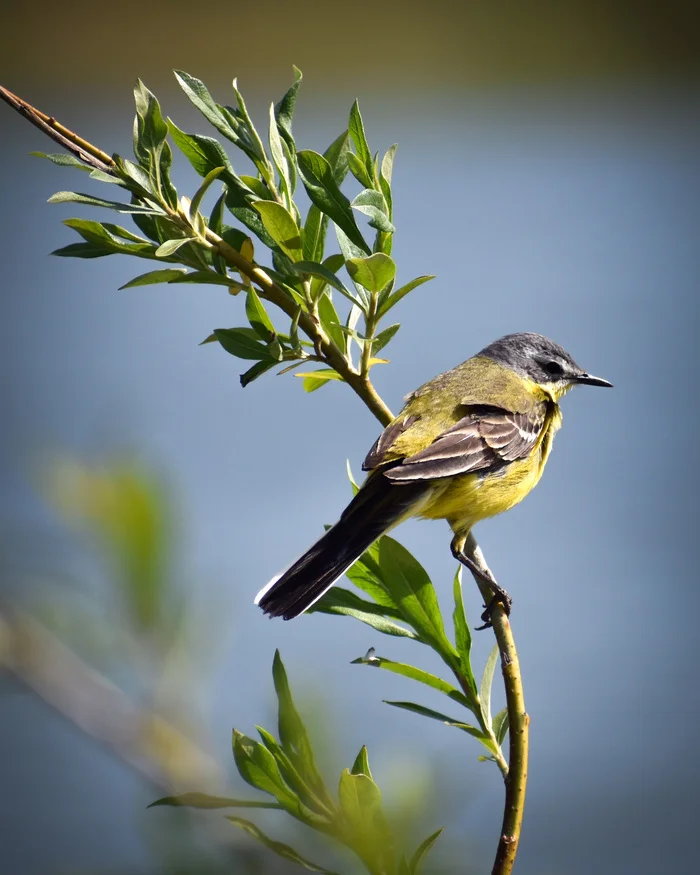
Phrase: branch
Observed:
(360, 383)
(271, 291)
(518, 720)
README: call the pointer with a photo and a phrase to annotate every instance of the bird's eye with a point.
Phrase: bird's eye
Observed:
(553, 368)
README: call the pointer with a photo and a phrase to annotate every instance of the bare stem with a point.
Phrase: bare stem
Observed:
(518, 720)
(359, 382)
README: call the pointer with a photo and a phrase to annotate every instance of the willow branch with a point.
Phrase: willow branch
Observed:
(271, 291)
(360, 383)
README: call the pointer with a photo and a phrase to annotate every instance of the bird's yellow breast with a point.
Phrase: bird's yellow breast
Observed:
(466, 499)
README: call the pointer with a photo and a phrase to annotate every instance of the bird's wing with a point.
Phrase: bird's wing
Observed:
(486, 438)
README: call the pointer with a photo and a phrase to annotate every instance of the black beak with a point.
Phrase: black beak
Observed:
(588, 380)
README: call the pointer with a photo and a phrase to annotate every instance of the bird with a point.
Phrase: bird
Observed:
(468, 445)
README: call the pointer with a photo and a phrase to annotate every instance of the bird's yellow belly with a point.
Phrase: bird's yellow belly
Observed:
(465, 500)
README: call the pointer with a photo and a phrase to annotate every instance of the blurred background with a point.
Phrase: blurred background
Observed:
(548, 173)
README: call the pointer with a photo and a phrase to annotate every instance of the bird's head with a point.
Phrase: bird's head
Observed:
(541, 360)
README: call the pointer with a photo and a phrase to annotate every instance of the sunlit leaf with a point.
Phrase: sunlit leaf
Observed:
(413, 592)
(486, 685)
(314, 380)
(154, 276)
(500, 725)
(400, 293)
(281, 226)
(374, 272)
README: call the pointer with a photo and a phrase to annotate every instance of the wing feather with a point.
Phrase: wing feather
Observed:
(486, 438)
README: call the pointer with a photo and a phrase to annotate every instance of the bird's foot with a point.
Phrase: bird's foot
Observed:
(500, 597)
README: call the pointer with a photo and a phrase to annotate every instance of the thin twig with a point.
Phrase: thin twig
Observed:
(360, 383)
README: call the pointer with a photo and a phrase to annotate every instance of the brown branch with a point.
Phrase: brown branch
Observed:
(82, 150)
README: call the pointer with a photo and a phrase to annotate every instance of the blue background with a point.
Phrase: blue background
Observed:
(549, 193)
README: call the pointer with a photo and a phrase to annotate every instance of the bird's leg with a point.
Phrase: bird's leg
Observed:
(500, 596)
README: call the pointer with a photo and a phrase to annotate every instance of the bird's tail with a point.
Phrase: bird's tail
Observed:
(378, 506)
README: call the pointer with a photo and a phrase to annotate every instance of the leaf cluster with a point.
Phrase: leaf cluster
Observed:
(399, 599)
(285, 769)
(258, 210)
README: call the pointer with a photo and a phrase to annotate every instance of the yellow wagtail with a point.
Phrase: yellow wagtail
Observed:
(467, 445)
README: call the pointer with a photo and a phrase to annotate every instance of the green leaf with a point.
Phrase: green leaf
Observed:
(358, 170)
(281, 226)
(209, 277)
(367, 576)
(168, 189)
(314, 380)
(416, 674)
(248, 216)
(356, 130)
(243, 343)
(323, 272)
(292, 732)
(133, 177)
(381, 340)
(423, 850)
(315, 227)
(330, 321)
(361, 804)
(374, 272)
(204, 153)
(258, 369)
(337, 156)
(258, 767)
(198, 93)
(340, 601)
(202, 190)
(64, 160)
(388, 163)
(257, 316)
(202, 800)
(338, 597)
(323, 190)
(154, 276)
(82, 250)
(500, 725)
(106, 236)
(279, 157)
(284, 111)
(463, 638)
(413, 592)
(282, 850)
(372, 204)
(474, 731)
(251, 142)
(311, 809)
(486, 684)
(150, 130)
(361, 764)
(396, 296)
(170, 247)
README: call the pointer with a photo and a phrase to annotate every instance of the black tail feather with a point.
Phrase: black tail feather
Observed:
(376, 507)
